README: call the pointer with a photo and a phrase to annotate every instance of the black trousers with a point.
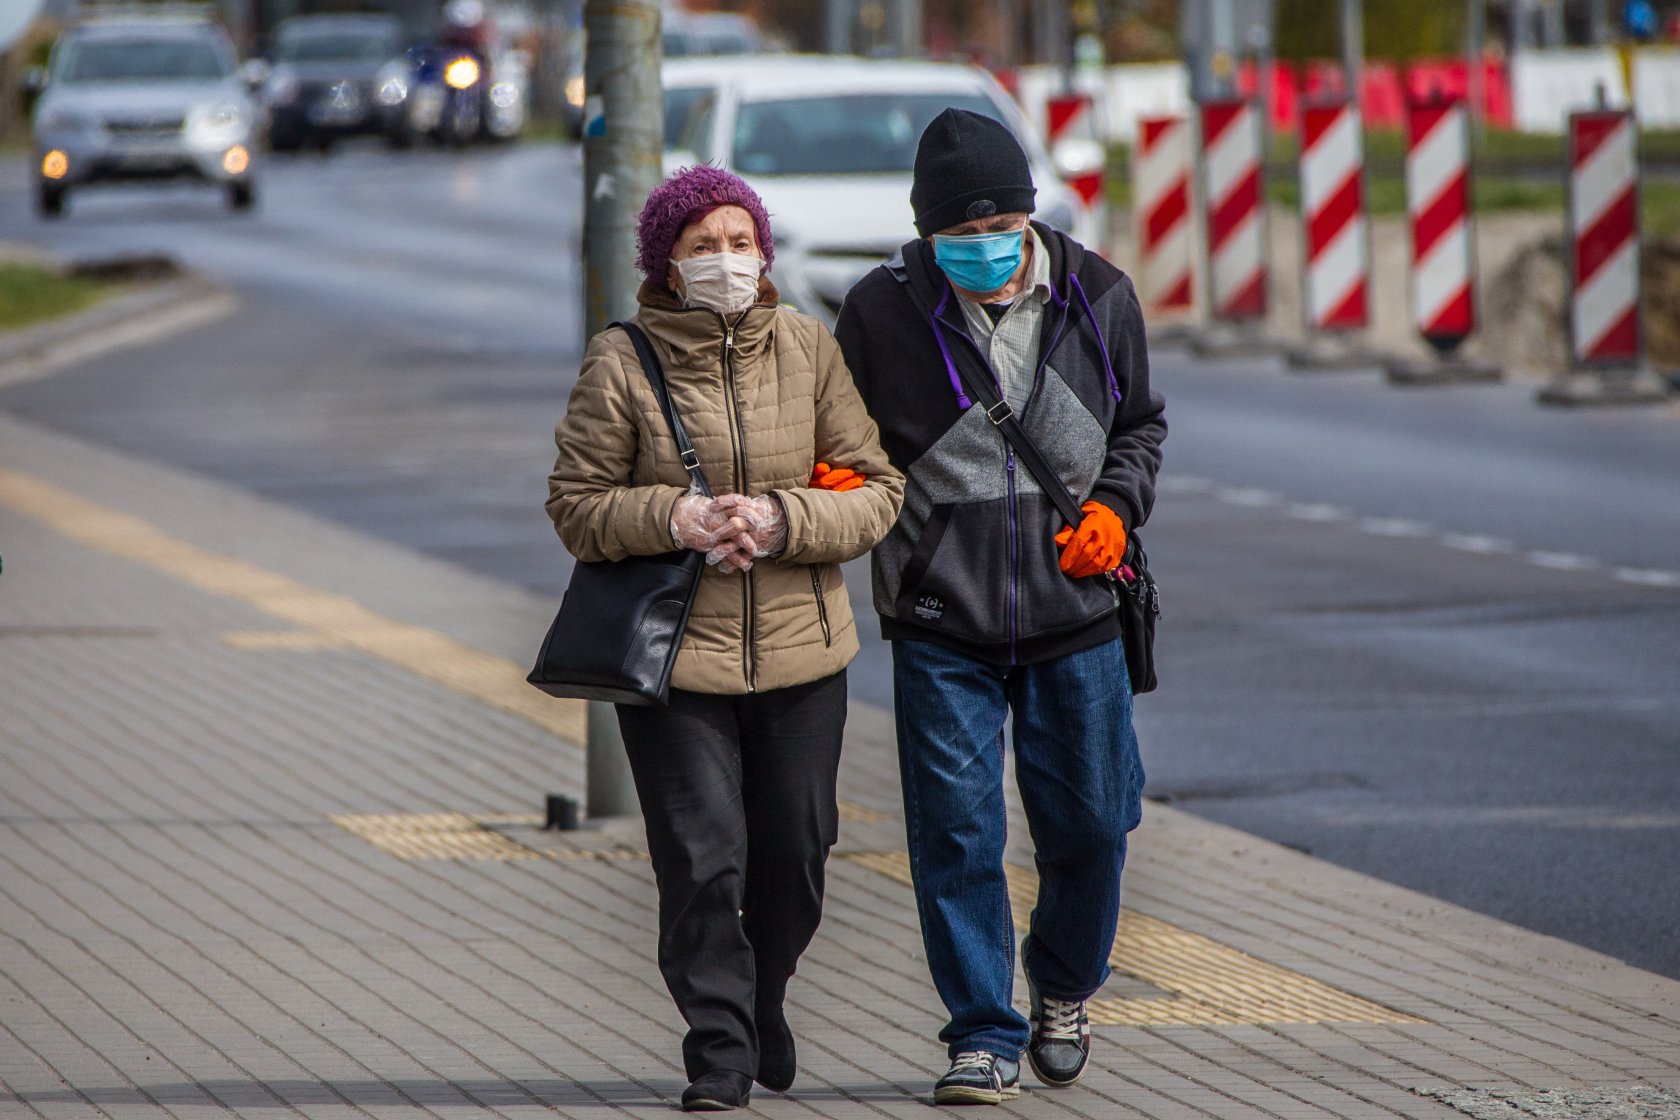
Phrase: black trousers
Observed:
(738, 794)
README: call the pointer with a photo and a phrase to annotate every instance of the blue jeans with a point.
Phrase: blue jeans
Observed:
(1081, 783)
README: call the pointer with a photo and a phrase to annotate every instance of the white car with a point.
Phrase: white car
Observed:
(829, 143)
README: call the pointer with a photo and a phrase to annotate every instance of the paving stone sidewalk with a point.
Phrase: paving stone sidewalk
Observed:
(267, 845)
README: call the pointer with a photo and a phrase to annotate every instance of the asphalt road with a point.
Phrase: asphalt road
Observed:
(1430, 635)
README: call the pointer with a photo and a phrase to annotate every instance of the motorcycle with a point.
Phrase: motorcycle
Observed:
(436, 92)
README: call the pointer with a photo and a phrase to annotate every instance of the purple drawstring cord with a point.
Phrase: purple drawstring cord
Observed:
(1102, 345)
(945, 350)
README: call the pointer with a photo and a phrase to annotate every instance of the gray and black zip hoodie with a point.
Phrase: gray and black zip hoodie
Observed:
(972, 562)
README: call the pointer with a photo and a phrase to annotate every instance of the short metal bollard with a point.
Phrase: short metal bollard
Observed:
(561, 813)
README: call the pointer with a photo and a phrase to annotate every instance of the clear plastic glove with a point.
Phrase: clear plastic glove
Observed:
(766, 528)
(696, 524)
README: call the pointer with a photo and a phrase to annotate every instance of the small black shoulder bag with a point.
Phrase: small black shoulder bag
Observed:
(616, 636)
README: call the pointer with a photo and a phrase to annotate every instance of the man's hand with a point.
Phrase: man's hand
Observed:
(1096, 546)
(837, 479)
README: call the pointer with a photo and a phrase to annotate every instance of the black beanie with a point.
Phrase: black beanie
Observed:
(968, 166)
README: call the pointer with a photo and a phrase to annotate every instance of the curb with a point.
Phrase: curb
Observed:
(146, 314)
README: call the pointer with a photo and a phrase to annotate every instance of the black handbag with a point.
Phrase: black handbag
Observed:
(1137, 598)
(616, 636)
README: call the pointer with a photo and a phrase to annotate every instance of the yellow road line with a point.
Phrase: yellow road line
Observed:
(1209, 984)
(329, 619)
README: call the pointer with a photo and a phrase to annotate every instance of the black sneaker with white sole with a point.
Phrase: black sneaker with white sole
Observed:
(978, 1077)
(1061, 1038)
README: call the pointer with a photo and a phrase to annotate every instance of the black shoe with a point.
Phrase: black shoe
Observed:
(717, 1091)
(978, 1077)
(777, 1063)
(1061, 1039)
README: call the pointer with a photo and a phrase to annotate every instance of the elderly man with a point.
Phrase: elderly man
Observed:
(996, 607)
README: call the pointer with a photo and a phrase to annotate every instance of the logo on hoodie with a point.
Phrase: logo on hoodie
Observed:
(930, 607)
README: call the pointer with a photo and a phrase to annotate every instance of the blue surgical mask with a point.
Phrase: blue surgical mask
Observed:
(979, 262)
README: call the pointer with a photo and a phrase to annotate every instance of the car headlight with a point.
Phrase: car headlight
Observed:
(282, 87)
(461, 73)
(217, 125)
(390, 86)
(504, 94)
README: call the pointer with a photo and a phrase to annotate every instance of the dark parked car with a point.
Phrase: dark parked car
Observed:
(323, 82)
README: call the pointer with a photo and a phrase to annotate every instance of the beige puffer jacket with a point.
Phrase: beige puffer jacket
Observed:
(763, 402)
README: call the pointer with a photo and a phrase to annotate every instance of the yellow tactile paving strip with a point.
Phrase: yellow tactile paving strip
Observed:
(321, 619)
(1210, 984)
(457, 836)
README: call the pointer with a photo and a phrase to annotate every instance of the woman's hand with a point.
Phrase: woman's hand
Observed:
(762, 528)
(731, 530)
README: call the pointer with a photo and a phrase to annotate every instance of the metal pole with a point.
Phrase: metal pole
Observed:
(1353, 47)
(1600, 22)
(1222, 44)
(1475, 48)
(623, 132)
(1552, 29)
(839, 26)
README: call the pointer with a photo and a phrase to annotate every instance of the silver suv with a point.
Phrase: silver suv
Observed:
(144, 98)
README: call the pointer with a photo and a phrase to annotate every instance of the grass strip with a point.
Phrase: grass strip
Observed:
(33, 293)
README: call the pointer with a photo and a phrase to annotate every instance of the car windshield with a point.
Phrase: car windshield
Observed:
(842, 134)
(678, 104)
(335, 46)
(140, 59)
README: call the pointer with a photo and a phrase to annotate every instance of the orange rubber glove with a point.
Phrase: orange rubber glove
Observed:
(837, 479)
(1096, 546)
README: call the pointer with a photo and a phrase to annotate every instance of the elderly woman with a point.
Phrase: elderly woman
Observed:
(736, 777)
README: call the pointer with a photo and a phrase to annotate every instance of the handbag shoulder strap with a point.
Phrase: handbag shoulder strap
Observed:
(656, 378)
(984, 390)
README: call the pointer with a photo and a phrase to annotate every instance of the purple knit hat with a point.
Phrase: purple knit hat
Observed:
(686, 197)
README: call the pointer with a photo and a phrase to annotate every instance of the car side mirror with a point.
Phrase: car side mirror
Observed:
(254, 73)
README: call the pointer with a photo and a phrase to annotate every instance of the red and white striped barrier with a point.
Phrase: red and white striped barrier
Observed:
(1231, 200)
(1071, 125)
(1438, 204)
(1161, 170)
(1072, 117)
(1604, 238)
(1336, 280)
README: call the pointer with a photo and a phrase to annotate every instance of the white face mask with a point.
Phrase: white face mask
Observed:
(725, 282)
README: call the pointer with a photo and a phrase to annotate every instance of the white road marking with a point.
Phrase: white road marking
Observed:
(1399, 527)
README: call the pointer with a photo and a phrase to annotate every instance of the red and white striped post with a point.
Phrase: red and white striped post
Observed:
(1605, 338)
(1233, 218)
(1162, 167)
(1071, 126)
(1335, 278)
(1604, 239)
(1443, 241)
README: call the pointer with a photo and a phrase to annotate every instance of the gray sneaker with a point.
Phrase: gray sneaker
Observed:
(1061, 1039)
(978, 1077)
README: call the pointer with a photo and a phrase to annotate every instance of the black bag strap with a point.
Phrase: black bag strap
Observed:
(656, 377)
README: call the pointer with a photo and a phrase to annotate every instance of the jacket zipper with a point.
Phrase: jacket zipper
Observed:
(738, 444)
(822, 607)
(1014, 550)
(1044, 359)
